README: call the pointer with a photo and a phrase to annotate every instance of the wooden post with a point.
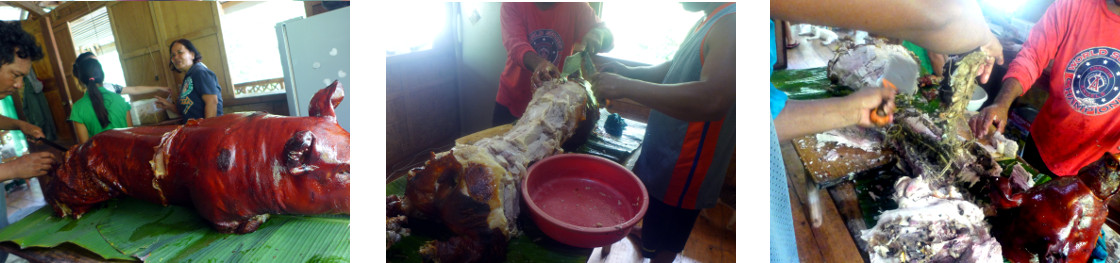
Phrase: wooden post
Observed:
(51, 46)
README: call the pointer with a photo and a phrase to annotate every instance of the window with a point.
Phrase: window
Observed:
(420, 24)
(249, 32)
(93, 33)
(11, 13)
(647, 31)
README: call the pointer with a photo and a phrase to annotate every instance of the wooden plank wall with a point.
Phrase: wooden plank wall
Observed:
(421, 102)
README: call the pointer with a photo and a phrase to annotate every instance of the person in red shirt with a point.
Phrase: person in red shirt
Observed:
(1079, 121)
(537, 37)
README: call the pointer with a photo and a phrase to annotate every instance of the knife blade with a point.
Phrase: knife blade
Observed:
(900, 75)
(572, 64)
(580, 63)
(52, 144)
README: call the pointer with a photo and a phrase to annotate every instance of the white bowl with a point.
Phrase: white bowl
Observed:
(978, 98)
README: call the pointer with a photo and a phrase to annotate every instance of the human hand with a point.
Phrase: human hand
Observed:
(164, 104)
(592, 42)
(995, 56)
(995, 114)
(544, 71)
(608, 85)
(30, 165)
(31, 131)
(866, 101)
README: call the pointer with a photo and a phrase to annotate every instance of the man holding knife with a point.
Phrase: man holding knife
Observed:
(17, 50)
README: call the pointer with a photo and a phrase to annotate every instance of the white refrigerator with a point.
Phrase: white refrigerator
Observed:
(315, 51)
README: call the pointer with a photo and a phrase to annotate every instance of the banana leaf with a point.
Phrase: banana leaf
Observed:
(531, 246)
(41, 229)
(138, 230)
(806, 84)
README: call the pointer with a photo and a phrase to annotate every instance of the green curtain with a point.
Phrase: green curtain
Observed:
(37, 111)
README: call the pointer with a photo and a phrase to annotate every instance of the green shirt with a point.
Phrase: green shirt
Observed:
(927, 68)
(83, 113)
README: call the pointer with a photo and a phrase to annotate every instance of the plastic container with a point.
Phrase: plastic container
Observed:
(583, 200)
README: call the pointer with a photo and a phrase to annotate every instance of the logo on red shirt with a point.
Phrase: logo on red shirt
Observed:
(547, 43)
(1091, 79)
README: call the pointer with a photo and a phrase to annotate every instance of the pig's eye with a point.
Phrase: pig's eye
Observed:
(298, 150)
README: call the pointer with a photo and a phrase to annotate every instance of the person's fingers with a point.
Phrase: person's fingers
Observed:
(48, 156)
(552, 74)
(982, 123)
(889, 108)
(973, 126)
(1000, 125)
(985, 73)
(978, 124)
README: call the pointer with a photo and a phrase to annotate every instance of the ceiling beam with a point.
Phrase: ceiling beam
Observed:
(30, 6)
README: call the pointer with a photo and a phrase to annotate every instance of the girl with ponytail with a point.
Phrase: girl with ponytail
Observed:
(99, 109)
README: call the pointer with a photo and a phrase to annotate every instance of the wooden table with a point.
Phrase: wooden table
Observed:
(833, 240)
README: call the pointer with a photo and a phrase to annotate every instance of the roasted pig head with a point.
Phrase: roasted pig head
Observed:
(235, 169)
(1060, 220)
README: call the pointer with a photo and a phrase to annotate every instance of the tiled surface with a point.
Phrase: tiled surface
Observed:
(25, 200)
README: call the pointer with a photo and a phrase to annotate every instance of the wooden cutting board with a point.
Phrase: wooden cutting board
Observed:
(832, 161)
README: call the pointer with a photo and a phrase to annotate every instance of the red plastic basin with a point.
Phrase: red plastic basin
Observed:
(583, 200)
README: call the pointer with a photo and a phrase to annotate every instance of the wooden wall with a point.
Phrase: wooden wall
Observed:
(422, 107)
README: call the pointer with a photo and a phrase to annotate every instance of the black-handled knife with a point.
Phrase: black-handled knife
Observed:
(52, 144)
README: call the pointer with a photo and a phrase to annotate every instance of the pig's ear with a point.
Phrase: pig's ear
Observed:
(324, 101)
(299, 150)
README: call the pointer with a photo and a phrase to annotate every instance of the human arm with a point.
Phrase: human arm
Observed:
(207, 87)
(128, 118)
(27, 166)
(211, 101)
(707, 99)
(83, 133)
(169, 103)
(948, 27)
(937, 61)
(134, 90)
(598, 38)
(1040, 48)
(28, 129)
(543, 70)
(515, 34)
(653, 73)
(165, 104)
(996, 114)
(804, 117)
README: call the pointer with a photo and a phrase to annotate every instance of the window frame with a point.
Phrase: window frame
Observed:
(235, 6)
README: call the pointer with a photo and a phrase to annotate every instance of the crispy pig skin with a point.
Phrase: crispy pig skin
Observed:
(1060, 220)
(234, 169)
